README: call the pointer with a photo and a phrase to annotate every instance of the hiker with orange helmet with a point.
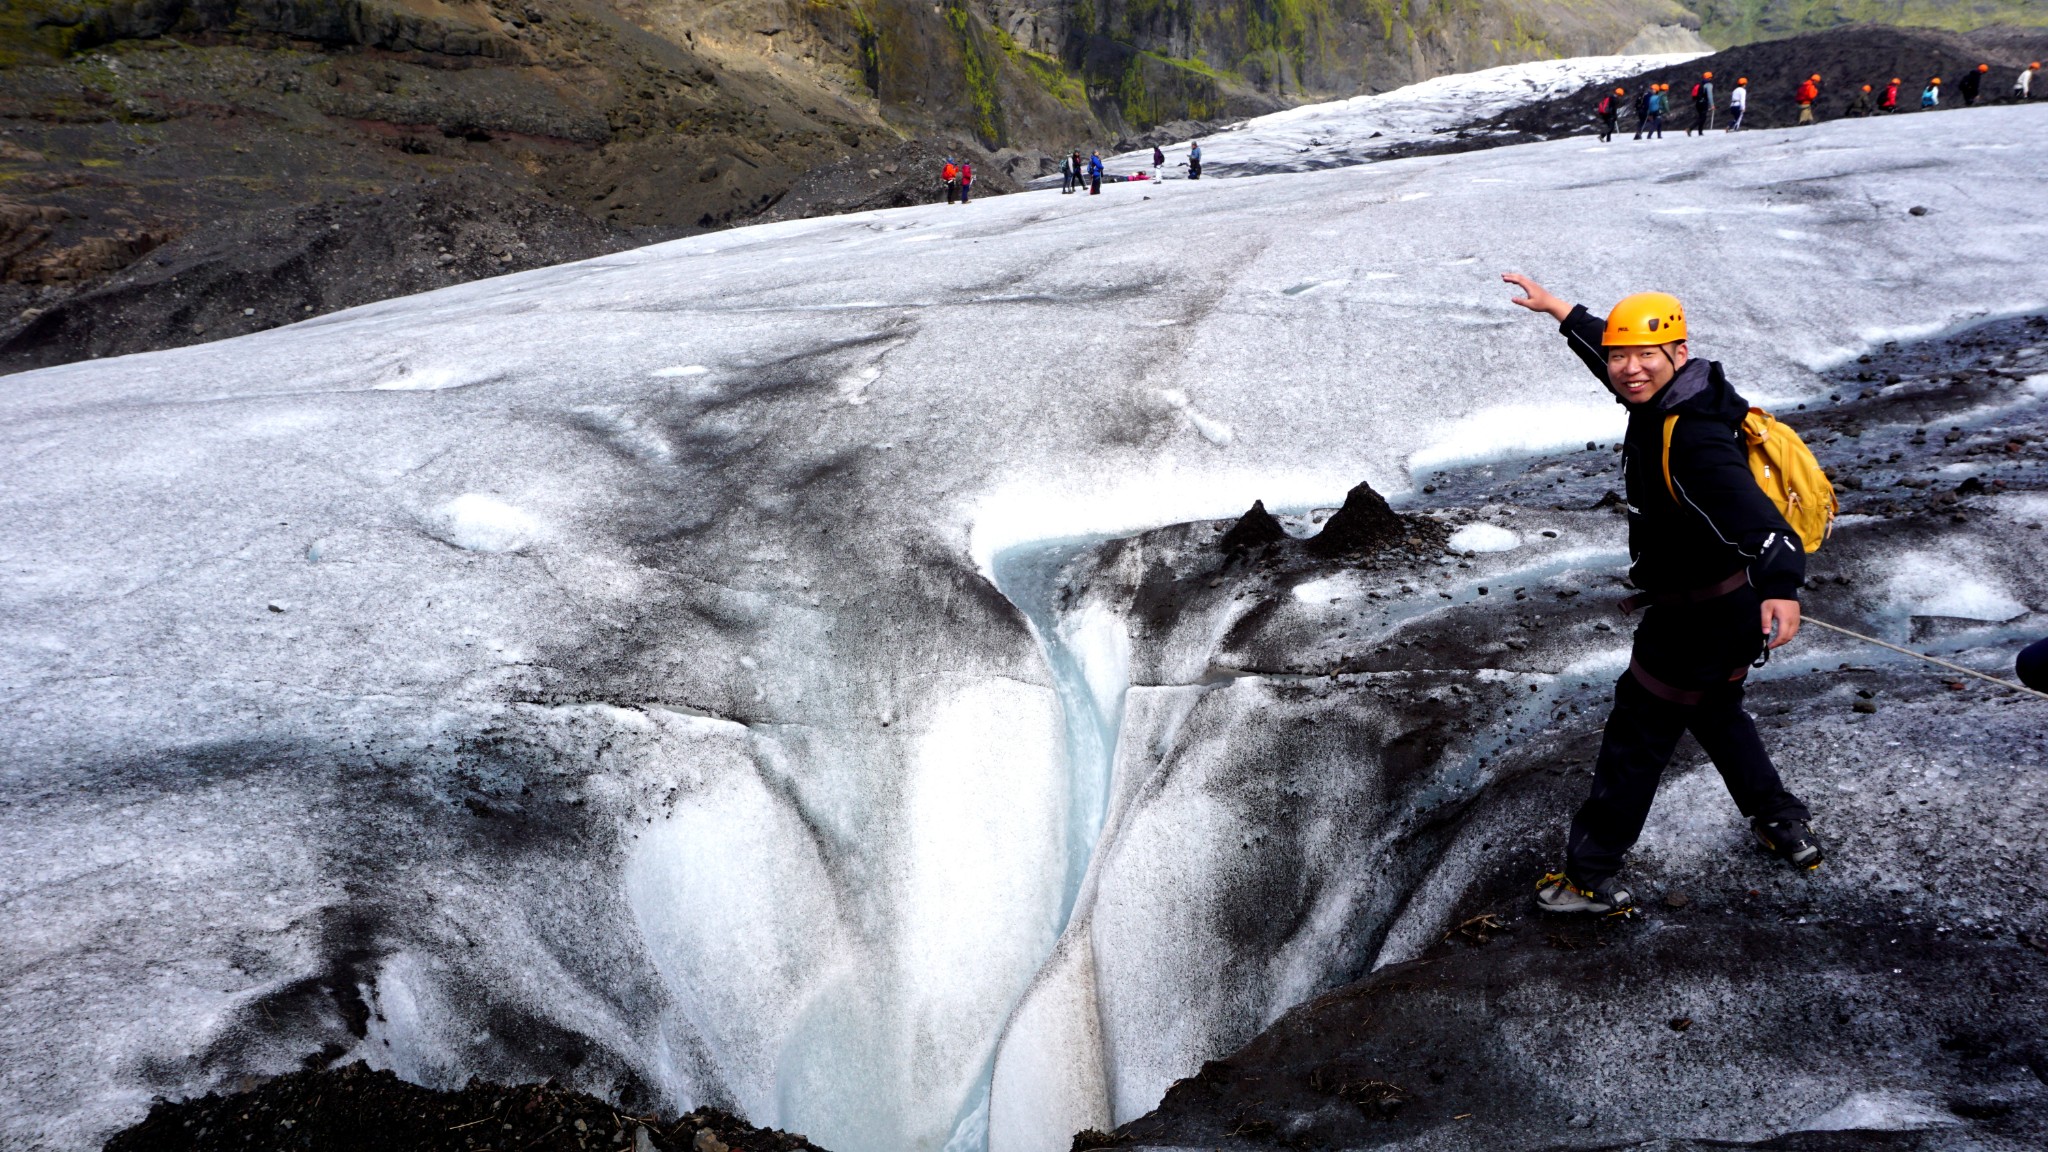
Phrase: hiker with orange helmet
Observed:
(1702, 104)
(1659, 104)
(2023, 84)
(1930, 96)
(1890, 103)
(949, 173)
(1609, 110)
(1861, 105)
(1719, 571)
(1738, 102)
(1809, 91)
(1973, 83)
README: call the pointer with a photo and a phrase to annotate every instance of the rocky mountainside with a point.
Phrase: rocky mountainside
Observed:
(1729, 22)
(178, 170)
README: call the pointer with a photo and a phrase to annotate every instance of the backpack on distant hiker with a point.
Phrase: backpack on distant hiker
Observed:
(1605, 106)
(1785, 469)
(1695, 91)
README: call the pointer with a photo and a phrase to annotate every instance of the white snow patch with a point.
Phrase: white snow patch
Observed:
(438, 379)
(1935, 584)
(679, 370)
(1883, 1112)
(1484, 538)
(1208, 427)
(479, 523)
(1325, 590)
(1507, 430)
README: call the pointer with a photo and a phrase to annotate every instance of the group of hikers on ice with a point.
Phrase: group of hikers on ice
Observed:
(1653, 103)
(1076, 173)
(958, 177)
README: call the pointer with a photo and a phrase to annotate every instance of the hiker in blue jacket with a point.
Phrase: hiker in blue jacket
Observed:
(1095, 173)
(1659, 104)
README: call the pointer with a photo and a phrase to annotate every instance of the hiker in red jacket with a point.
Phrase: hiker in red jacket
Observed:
(966, 181)
(1890, 102)
(951, 175)
(1809, 91)
(1607, 110)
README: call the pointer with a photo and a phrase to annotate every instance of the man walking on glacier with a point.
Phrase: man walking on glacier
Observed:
(1719, 571)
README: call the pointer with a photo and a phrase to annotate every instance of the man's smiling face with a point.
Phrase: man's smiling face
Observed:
(1637, 373)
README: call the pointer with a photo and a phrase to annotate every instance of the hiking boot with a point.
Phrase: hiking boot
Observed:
(1555, 893)
(1791, 840)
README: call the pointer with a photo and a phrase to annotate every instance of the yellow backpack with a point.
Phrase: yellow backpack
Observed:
(1785, 469)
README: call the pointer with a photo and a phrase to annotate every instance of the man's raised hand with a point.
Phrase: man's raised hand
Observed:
(1537, 298)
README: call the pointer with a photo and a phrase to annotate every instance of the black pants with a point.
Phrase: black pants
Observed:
(1094, 185)
(1606, 129)
(1687, 651)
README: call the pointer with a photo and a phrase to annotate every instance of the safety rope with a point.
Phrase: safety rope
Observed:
(1924, 656)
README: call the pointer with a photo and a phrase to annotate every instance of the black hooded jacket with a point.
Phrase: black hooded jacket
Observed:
(1720, 522)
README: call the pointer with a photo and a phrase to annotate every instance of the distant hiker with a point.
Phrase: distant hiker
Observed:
(1158, 160)
(1930, 96)
(1659, 104)
(950, 174)
(966, 181)
(1095, 173)
(1194, 160)
(1861, 105)
(2023, 84)
(1973, 83)
(1738, 102)
(1890, 102)
(1809, 91)
(1609, 110)
(1719, 570)
(1068, 175)
(1702, 105)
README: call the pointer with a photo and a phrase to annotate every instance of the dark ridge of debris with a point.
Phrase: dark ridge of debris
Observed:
(355, 1109)
(1365, 524)
(1255, 529)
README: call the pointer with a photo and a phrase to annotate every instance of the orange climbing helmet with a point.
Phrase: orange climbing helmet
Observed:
(1815, 77)
(1621, 91)
(1741, 80)
(1706, 75)
(1866, 87)
(1645, 318)
(1983, 67)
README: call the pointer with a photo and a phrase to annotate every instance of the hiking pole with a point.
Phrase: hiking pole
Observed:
(1924, 656)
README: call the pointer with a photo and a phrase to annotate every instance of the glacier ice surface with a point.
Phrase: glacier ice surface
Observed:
(664, 730)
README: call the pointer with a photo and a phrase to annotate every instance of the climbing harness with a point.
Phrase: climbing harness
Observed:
(1923, 656)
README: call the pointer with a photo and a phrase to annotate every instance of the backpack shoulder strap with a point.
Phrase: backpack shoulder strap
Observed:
(1670, 422)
